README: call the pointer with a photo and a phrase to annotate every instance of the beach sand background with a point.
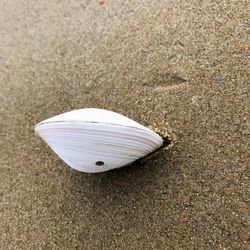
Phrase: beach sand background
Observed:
(157, 62)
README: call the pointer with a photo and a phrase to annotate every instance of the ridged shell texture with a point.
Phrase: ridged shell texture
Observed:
(96, 140)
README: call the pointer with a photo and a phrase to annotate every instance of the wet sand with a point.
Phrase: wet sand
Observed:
(178, 62)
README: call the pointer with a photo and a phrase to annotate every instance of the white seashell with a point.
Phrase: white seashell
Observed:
(96, 140)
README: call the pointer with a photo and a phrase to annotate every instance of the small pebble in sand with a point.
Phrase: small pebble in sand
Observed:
(101, 2)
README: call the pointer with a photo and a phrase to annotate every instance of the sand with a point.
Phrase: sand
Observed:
(179, 62)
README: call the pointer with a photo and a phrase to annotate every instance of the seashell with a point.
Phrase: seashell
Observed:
(96, 140)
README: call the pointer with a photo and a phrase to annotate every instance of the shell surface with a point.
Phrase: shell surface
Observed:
(96, 140)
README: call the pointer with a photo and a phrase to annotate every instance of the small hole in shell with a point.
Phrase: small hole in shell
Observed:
(99, 163)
